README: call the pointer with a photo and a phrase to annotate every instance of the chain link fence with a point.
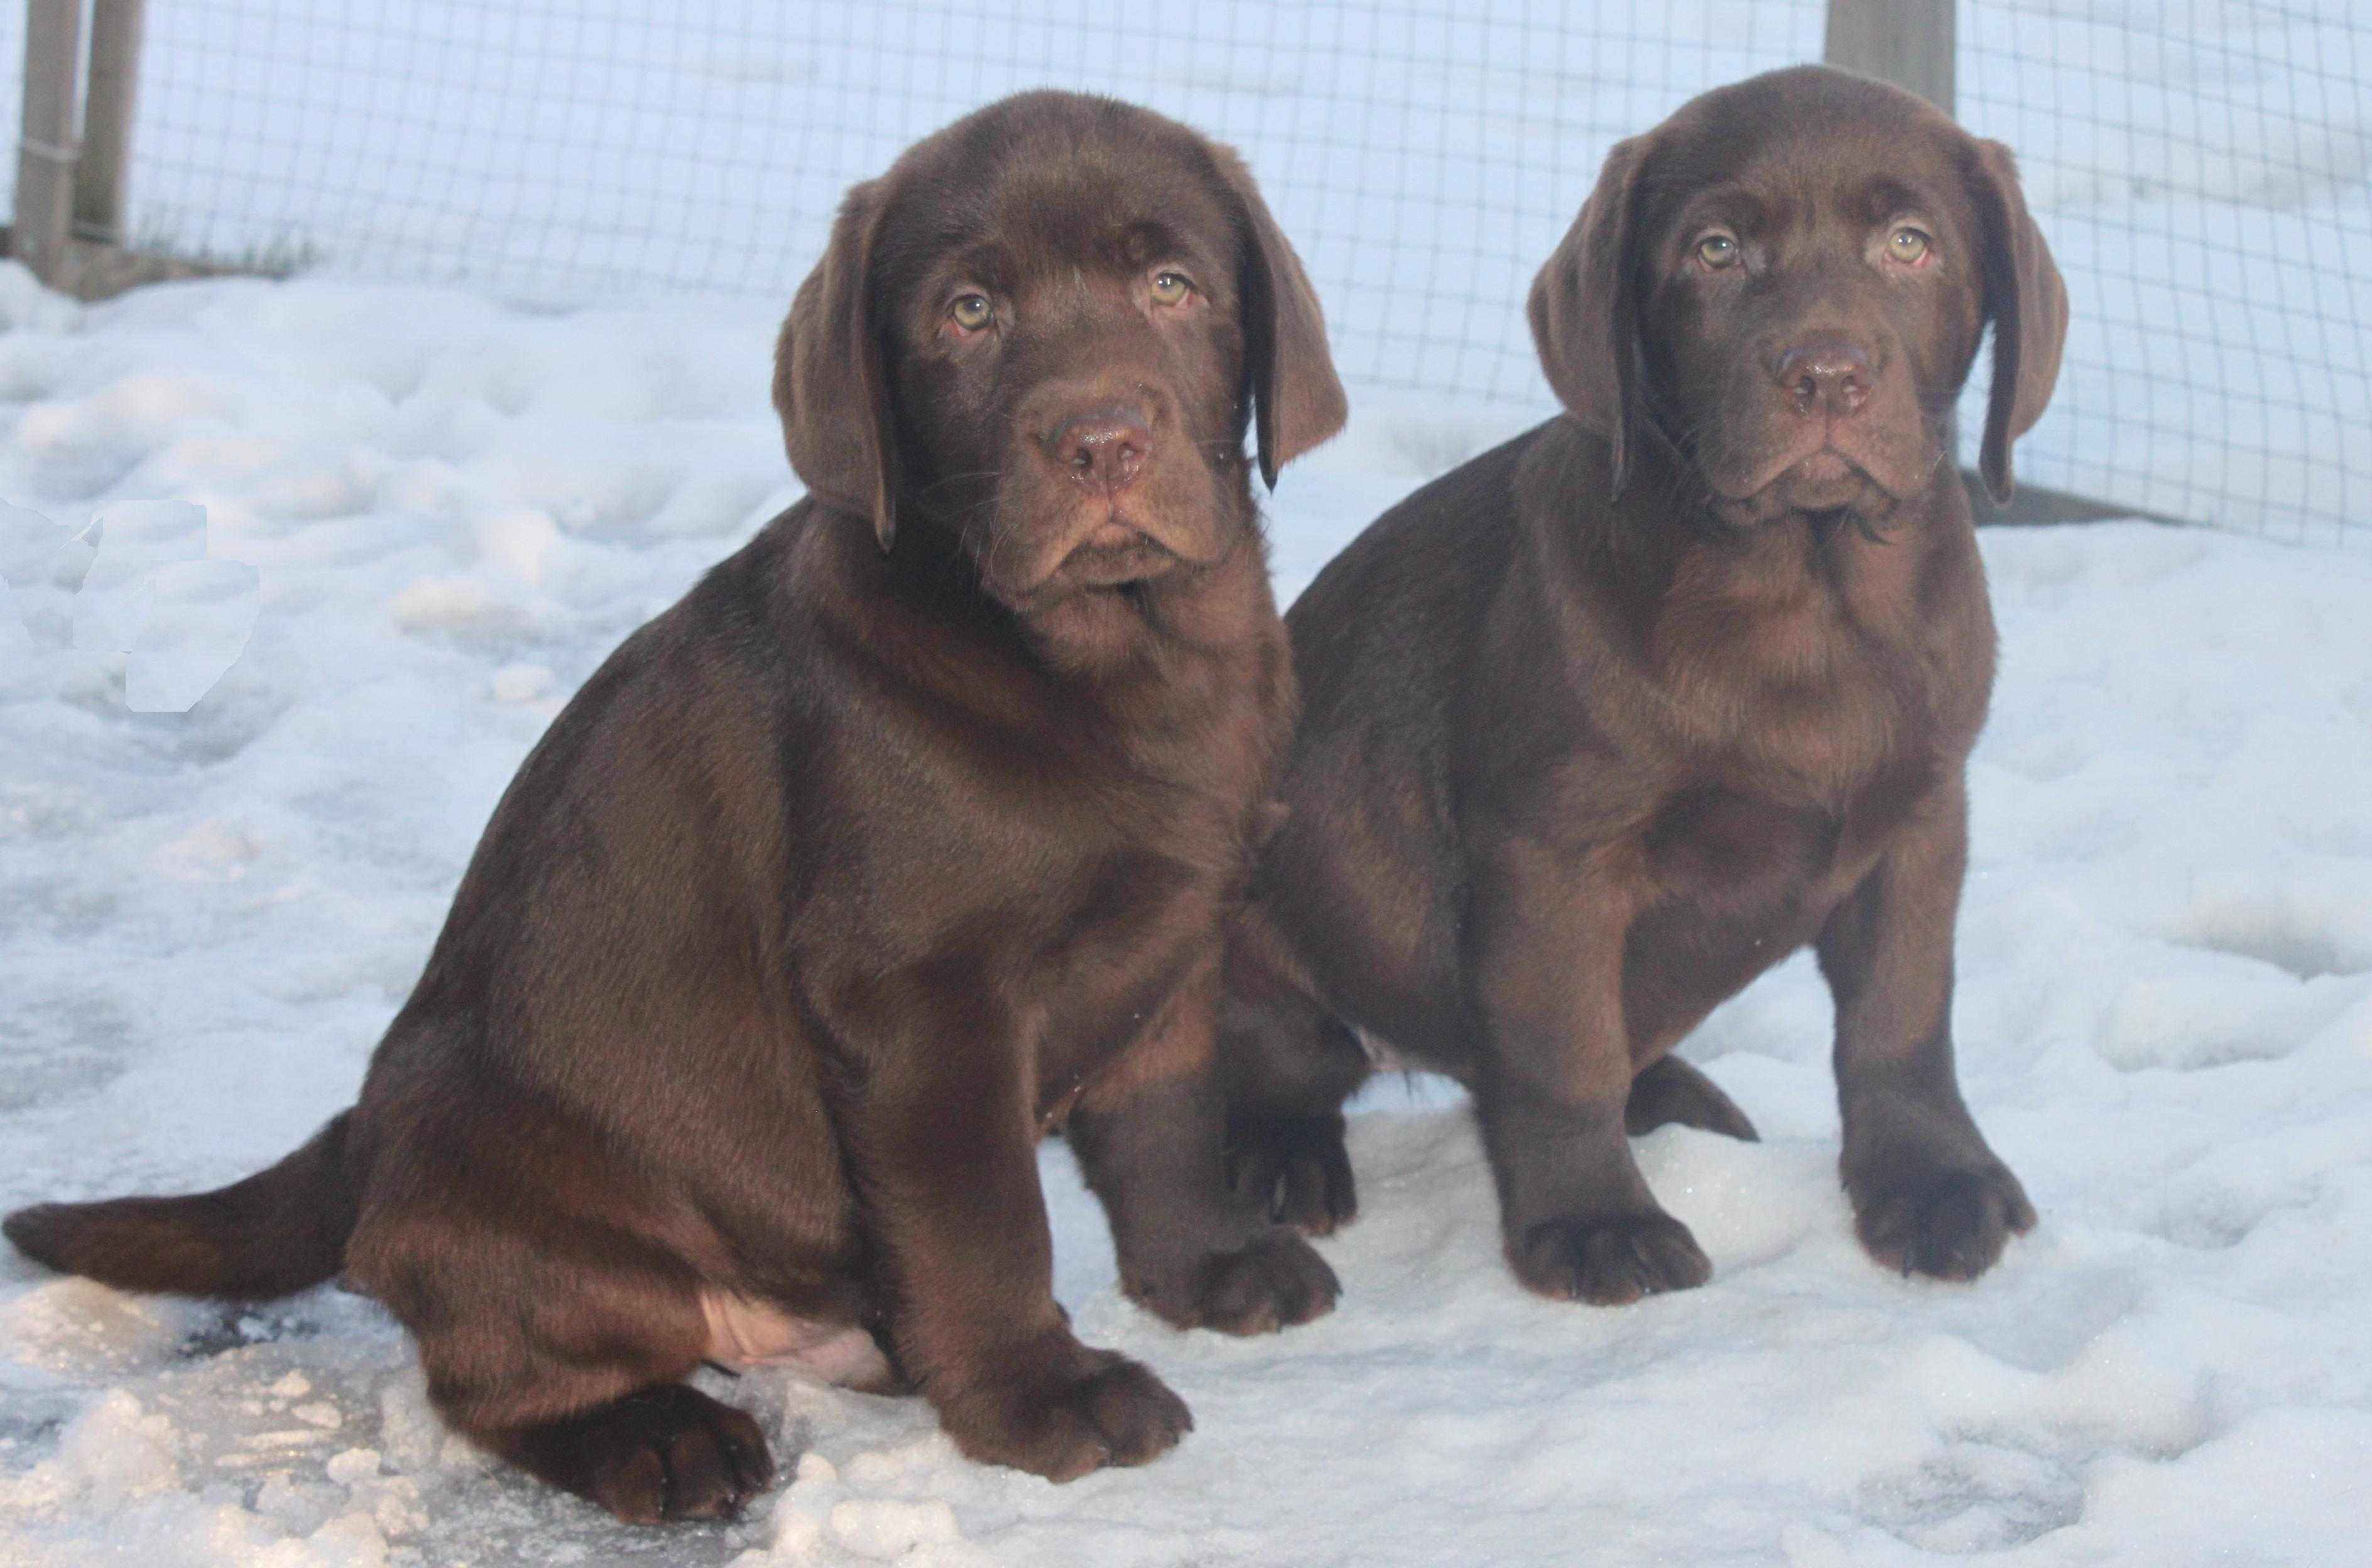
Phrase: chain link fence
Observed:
(2204, 170)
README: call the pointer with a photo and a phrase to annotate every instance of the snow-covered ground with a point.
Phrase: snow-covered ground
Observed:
(452, 510)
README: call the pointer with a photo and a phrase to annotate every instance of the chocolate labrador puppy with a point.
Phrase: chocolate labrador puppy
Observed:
(901, 838)
(1605, 722)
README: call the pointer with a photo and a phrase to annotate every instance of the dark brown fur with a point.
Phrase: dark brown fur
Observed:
(1600, 725)
(902, 837)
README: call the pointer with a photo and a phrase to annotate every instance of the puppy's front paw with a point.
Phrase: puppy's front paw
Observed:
(1295, 1171)
(1949, 1224)
(1099, 1408)
(1611, 1262)
(1275, 1280)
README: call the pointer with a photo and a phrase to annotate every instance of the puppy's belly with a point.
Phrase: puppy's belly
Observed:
(742, 1332)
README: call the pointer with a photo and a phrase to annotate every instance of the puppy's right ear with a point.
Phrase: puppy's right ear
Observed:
(1584, 323)
(832, 382)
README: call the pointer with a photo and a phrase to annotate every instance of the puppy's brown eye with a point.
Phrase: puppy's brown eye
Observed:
(1907, 245)
(1717, 250)
(972, 311)
(1170, 288)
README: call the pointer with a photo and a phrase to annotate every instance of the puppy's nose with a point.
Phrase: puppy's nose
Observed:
(1829, 376)
(1103, 450)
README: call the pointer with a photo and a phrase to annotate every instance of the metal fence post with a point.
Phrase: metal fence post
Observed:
(1908, 42)
(43, 238)
(106, 119)
(69, 224)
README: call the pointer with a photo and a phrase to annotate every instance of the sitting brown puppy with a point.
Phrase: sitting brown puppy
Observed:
(901, 837)
(1605, 722)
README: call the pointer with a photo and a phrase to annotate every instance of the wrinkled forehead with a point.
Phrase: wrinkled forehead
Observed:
(1771, 161)
(1012, 205)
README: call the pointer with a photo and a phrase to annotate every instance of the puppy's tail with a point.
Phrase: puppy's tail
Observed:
(274, 1233)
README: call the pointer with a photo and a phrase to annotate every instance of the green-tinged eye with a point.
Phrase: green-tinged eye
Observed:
(1717, 250)
(972, 311)
(1170, 288)
(1906, 245)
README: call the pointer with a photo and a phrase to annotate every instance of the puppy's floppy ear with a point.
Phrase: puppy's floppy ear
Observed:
(2028, 305)
(832, 383)
(1585, 321)
(1297, 398)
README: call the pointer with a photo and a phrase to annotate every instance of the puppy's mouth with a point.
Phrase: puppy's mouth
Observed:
(1823, 478)
(1110, 550)
(1115, 553)
(1826, 480)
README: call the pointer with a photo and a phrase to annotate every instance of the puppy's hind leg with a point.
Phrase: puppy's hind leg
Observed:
(565, 1353)
(1670, 1090)
(1285, 1066)
(664, 1452)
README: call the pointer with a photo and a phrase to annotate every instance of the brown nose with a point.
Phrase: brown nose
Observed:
(1103, 450)
(1831, 377)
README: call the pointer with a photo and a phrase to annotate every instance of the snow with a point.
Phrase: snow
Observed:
(405, 522)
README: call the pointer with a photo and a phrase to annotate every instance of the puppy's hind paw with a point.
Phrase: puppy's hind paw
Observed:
(664, 1454)
(1670, 1090)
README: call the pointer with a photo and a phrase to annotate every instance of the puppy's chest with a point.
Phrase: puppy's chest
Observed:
(1108, 955)
(1739, 846)
(1798, 759)
(1114, 905)
(1799, 707)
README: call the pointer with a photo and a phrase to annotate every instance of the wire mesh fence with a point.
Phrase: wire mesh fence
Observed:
(1420, 152)
(2204, 174)
(2201, 168)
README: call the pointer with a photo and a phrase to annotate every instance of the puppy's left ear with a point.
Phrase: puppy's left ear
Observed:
(2029, 307)
(832, 382)
(1297, 398)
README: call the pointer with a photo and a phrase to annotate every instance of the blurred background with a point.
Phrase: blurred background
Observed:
(2201, 169)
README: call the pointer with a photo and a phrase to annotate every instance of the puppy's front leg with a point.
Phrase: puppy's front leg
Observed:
(1929, 1196)
(945, 1139)
(1151, 1137)
(1548, 924)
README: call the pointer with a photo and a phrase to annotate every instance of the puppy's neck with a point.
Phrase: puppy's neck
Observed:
(1162, 627)
(1670, 528)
